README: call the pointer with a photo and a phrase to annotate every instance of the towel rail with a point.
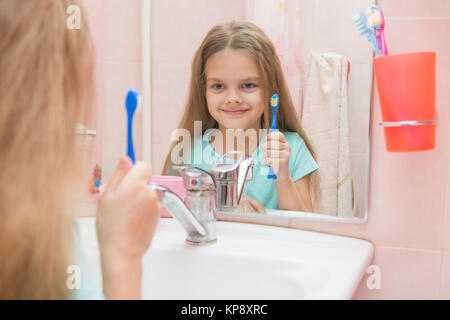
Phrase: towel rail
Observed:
(407, 123)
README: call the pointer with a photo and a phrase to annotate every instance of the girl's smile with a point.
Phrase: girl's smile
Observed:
(233, 113)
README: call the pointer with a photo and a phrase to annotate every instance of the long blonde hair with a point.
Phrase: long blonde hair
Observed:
(45, 72)
(246, 36)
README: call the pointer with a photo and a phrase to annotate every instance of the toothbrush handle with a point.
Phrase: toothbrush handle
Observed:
(271, 174)
(375, 44)
(273, 127)
(130, 151)
(383, 44)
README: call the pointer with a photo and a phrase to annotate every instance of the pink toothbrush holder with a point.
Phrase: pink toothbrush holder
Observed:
(174, 183)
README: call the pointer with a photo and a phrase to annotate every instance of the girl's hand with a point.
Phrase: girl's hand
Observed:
(248, 204)
(276, 154)
(128, 211)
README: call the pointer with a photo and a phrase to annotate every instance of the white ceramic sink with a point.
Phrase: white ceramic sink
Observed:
(247, 262)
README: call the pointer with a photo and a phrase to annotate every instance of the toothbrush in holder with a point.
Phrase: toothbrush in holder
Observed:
(274, 102)
(131, 104)
(376, 21)
(367, 31)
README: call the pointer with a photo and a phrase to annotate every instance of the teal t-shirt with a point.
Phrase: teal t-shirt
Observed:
(301, 163)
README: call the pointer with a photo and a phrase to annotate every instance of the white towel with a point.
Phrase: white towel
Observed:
(325, 121)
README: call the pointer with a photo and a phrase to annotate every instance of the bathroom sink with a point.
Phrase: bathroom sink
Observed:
(248, 261)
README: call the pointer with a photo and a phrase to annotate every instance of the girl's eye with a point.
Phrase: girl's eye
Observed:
(217, 86)
(249, 85)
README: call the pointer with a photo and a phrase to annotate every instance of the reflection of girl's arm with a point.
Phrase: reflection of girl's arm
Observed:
(248, 204)
(294, 196)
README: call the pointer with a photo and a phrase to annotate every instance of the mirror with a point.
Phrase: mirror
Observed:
(325, 62)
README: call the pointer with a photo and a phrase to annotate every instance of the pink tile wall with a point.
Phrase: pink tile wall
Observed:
(116, 30)
(93, 152)
(409, 193)
(318, 36)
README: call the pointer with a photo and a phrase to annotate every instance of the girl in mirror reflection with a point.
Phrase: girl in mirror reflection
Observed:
(235, 71)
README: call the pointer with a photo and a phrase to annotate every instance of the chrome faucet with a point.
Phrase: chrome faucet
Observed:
(230, 180)
(207, 193)
(197, 212)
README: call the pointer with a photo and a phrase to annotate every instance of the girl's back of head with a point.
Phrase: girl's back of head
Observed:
(45, 70)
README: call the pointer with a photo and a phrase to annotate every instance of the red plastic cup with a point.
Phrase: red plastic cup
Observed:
(407, 92)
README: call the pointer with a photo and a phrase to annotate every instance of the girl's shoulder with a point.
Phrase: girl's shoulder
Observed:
(296, 142)
(293, 138)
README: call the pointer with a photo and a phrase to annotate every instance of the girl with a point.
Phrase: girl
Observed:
(45, 76)
(234, 73)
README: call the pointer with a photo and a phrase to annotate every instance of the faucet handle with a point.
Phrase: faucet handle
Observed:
(245, 175)
(176, 206)
(246, 170)
(227, 171)
(196, 179)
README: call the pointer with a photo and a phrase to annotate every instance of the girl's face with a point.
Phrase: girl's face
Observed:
(233, 90)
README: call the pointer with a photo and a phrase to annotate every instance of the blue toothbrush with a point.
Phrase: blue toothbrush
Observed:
(274, 102)
(364, 30)
(132, 104)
